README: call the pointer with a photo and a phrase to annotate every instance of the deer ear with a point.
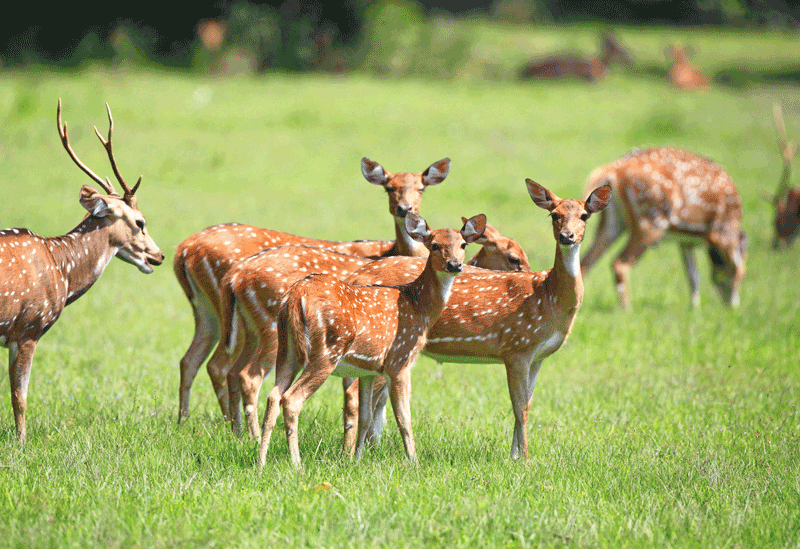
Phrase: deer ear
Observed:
(97, 204)
(373, 172)
(436, 172)
(473, 228)
(416, 227)
(541, 196)
(598, 199)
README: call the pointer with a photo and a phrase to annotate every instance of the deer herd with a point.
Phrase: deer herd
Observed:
(364, 310)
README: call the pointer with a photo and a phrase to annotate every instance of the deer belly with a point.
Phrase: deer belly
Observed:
(347, 369)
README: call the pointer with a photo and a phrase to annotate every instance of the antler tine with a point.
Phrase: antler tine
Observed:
(107, 145)
(787, 150)
(62, 132)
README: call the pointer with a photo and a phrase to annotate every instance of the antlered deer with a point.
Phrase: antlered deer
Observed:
(668, 191)
(569, 66)
(254, 288)
(787, 198)
(684, 75)
(203, 258)
(39, 276)
(327, 326)
(518, 319)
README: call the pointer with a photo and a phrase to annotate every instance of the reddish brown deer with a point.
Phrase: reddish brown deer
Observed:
(787, 199)
(327, 326)
(39, 276)
(255, 287)
(569, 66)
(518, 319)
(203, 259)
(684, 75)
(671, 192)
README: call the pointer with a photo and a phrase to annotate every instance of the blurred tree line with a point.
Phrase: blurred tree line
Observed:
(295, 35)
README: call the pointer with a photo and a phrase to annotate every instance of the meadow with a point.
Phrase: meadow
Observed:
(664, 426)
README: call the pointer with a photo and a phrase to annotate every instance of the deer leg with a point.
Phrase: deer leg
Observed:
(365, 386)
(238, 359)
(400, 395)
(206, 334)
(517, 378)
(252, 371)
(609, 228)
(687, 253)
(636, 246)
(20, 359)
(379, 399)
(350, 412)
(217, 367)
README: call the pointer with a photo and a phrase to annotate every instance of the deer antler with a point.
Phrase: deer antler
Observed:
(787, 150)
(107, 145)
(62, 131)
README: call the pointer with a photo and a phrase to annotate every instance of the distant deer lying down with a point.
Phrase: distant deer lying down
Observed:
(570, 66)
(40, 276)
(786, 199)
(684, 75)
(667, 191)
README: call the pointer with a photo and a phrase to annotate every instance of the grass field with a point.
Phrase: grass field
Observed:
(659, 427)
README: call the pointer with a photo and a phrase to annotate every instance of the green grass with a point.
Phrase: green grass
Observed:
(661, 427)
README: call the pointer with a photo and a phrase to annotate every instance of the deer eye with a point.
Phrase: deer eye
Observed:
(584, 216)
(554, 216)
(514, 260)
(140, 224)
(435, 247)
(464, 246)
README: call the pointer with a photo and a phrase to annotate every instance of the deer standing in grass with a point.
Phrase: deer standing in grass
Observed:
(518, 319)
(684, 75)
(569, 66)
(671, 192)
(786, 199)
(39, 276)
(203, 259)
(254, 288)
(327, 326)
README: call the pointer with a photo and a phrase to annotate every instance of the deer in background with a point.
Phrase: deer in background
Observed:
(327, 326)
(253, 289)
(518, 319)
(569, 66)
(202, 260)
(684, 75)
(786, 199)
(667, 191)
(39, 276)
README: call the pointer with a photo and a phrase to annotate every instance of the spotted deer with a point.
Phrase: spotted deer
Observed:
(39, 276)
(569, 66)
(202, 260)
(786, 199)
(669, 192)
(517, 319)
(254, 288)
(684, 75)
(327, 326)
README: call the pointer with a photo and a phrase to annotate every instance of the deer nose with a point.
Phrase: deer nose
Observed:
(402, 209)
(454, 266)
(566, 237)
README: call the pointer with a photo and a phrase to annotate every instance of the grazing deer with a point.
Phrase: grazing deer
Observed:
(203, 258)
(787, 198)
(518, 319)
(684, 75)
(327, 326)
(568, 66)
(254, 288)
(667, 191)
(39, 276)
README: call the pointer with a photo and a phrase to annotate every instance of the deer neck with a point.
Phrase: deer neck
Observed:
(429, 293)
(565, 278)
(405, 245)
(82, 255)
